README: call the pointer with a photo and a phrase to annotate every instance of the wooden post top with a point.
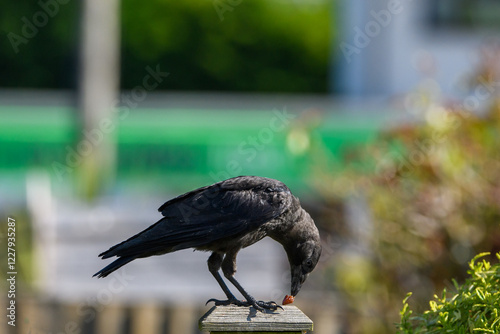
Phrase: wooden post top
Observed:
(232, 319)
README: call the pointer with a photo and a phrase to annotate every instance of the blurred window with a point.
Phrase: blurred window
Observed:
(465, 13)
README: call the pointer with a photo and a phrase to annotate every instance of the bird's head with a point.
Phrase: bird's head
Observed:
(302, 261)
(303, 253)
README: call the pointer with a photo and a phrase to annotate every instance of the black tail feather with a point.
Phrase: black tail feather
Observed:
(113, 266)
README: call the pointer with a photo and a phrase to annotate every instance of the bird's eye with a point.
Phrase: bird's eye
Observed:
(269, 189)
(308, 263)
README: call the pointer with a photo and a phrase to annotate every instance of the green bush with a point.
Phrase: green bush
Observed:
(474, 308)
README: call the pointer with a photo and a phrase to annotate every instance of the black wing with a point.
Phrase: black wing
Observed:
(208, 214)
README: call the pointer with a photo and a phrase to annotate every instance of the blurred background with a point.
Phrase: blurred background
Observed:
(381, 116)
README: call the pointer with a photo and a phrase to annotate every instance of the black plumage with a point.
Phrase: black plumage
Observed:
(224, 218)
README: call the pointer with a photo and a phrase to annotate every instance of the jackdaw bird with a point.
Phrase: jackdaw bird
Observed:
(224, 218)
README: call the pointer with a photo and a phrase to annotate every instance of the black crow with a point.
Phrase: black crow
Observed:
(224, 218)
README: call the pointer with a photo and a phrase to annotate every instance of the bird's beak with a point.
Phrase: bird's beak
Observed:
(298, 278)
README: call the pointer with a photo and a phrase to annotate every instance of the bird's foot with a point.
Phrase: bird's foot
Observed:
(232, 301)
(262, 305)
(257, 304)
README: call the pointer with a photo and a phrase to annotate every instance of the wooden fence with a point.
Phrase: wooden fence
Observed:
(41, 316)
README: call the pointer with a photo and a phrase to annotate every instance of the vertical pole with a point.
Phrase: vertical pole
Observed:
(98, 91)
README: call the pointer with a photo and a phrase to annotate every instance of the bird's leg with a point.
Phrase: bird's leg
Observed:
(214, 264)
(229, 268)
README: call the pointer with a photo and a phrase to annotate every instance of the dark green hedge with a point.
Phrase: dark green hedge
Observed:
(235, 45)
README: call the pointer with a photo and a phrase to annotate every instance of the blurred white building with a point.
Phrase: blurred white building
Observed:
(386, 47)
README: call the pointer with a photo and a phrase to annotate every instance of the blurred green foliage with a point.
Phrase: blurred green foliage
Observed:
(38, 44)
(473, 308)
(234, 45)
(432, 190)
(246, 45)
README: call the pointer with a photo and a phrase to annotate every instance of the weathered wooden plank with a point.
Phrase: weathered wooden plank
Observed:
(247, 319)
(232, 332)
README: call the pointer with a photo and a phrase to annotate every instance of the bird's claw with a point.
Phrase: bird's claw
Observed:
(219, 302)
(259, 305)
(262, 305)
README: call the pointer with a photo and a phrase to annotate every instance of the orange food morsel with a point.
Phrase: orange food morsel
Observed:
(287, 300)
